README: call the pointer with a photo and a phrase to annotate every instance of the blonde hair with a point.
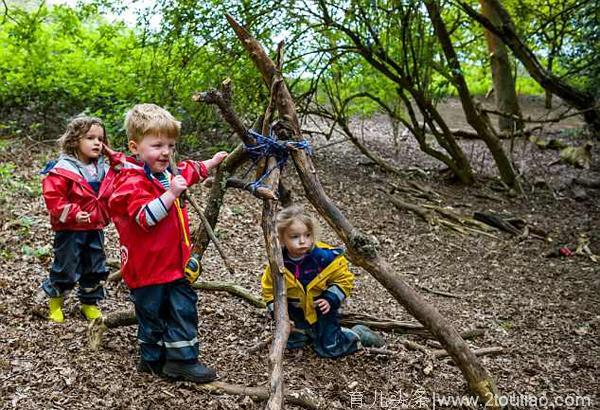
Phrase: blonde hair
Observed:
(289, 215)
(76, 129)
(146, 119)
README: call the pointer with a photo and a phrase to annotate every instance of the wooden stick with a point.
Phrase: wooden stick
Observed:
(298, 397)
(422, 212)
(379, 350)
(260, 345)
(211, 233)
(441, 293)
(260, 192)
(233, 289)
(209, 230)
(282, 323)
(439, 353)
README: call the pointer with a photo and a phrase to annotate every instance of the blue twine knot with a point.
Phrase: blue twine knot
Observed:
(267, 146)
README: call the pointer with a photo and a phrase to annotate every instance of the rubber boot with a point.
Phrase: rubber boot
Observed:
(368, 338)
(91, 312)
(56, 313)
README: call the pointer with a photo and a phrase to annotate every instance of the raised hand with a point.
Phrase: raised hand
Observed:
(178, 185)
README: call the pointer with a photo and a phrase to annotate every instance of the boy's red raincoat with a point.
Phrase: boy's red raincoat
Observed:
(150, 255)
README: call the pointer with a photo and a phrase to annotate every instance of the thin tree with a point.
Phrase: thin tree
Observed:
(502, 75)
(474, 116)
(581, 100)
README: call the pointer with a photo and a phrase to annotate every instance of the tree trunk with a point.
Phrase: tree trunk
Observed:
(474, 117)
(581, 100)
(504, 83)
(548, 99)
(362, 248)
(456, 160)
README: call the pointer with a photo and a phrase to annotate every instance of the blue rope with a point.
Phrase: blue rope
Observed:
(266, 146)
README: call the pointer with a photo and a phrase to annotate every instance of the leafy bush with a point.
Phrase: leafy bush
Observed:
(59, 62)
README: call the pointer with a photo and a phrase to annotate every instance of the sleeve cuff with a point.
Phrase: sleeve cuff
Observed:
(332, 298)
(202, 170)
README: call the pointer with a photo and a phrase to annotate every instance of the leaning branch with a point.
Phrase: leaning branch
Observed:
(362, 249)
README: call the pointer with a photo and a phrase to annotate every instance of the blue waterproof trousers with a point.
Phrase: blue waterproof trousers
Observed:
(78, 259)
(167, 321)
(329, 339)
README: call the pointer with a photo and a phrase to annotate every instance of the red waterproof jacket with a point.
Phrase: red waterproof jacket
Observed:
(66, 192)
(150, 255)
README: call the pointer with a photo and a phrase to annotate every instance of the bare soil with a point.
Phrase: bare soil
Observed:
(544, 312)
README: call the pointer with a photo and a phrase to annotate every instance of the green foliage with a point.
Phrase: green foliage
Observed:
(39, 252)
(56, 62)
(565, 36)
(13, 184)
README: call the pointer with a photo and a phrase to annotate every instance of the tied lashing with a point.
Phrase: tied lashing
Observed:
(267, 146)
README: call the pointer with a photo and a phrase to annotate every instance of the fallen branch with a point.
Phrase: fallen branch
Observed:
(439, 353)
(410, 345)
(497, 222)
(98, 327)
(233, 289)
(415, 190)
(260, 345)
(296, 397)
(472, 135)
(422, 212)
(230, 287)
(441, 293)
(389, 325)
(379, 351)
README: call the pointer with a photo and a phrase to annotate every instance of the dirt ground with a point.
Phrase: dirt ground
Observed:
(543, 312)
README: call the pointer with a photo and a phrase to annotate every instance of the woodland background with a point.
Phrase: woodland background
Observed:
(391, 114)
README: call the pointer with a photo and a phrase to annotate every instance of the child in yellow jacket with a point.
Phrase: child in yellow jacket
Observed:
(318, 281)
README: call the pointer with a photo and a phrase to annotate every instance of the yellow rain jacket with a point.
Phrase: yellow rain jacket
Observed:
(335, 277)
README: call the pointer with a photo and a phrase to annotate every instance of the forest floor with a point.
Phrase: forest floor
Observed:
(543, 311)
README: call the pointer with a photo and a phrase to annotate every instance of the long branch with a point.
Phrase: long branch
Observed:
(362, 249)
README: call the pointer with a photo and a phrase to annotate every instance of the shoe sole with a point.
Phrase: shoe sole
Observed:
(173, 376)
(151, 373)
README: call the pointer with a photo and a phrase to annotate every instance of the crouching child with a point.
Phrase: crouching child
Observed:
(318, 281)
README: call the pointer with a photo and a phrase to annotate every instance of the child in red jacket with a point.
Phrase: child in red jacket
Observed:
(155, 243)
(76, 191)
